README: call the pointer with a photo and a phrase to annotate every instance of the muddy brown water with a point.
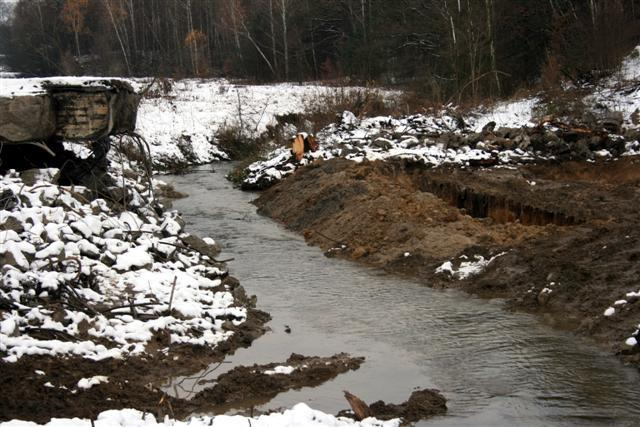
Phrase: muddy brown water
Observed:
(495, 367)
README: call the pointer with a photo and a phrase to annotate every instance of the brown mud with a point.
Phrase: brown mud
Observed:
(422, 404)
(248, 386)
(569, 227)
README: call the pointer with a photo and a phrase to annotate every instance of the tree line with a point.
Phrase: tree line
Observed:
(467, 49)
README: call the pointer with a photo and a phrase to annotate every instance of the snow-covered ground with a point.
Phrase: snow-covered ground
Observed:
(183, 123)
(298, 416)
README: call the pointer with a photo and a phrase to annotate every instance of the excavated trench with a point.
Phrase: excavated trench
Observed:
(501, 208)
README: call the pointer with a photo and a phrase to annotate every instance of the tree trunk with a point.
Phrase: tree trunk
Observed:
(492, 49)
(283, 5)
(115, 28)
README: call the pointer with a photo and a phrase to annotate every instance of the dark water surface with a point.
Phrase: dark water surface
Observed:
(494, 367)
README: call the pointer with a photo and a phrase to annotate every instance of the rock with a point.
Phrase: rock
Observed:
(8, 200)
(108, 259)
(581, 151)
(27, 118)
(70, 111)
(595, 143)
(635, 117)
(488, 128)
(13, 224)
(613, 122)
(558, 147)
(543, 297)
(199, 245)
(32, 176)
(382, 143)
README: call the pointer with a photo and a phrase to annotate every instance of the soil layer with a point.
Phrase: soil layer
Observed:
(568, 232)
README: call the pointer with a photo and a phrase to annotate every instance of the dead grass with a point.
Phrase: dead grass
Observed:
(323, 108)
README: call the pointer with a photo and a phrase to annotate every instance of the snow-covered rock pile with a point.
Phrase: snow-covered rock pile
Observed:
(434, 140)
(80, 278)
(298, 416)
(182, 120)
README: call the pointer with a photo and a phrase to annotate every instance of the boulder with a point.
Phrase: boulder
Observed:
(85, 110)
(27, 118)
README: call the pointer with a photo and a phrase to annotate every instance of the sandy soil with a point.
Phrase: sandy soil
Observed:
(569, 227)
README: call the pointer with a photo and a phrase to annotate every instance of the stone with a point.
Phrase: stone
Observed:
(612, 122)
(581, 151)
(382, 143)
(108, 259)
(13, 224)
(27, 118)
(199, 245)
(70, 112)
(488, 128)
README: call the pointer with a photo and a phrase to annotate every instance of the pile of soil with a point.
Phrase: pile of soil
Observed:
(570, 228)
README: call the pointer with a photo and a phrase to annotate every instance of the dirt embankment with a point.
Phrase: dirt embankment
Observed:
(568, 232)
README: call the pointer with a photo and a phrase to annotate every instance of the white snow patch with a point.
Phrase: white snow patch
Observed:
(87, 383)
(300, 415)
(467, 269)
(286, 370)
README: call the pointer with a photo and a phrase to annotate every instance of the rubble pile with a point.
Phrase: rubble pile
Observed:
(447, 138)
(86, 277)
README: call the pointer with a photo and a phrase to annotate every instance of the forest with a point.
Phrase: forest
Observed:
(467, 49)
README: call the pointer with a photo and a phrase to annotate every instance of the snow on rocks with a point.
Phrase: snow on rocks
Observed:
(80, 278)
(300, 415)
(619, 307)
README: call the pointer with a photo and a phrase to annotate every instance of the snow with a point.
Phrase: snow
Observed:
(467, 269)
(610, 312)
(14, 87)
(286, 370)
(181, 125)
(87, 383)
(300, 415)
(512, 114)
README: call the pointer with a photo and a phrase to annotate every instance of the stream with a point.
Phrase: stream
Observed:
(494, 367)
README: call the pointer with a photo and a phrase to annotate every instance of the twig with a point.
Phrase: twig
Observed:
(337, 242)
(117, 307)
(173, 288)
(53, 332)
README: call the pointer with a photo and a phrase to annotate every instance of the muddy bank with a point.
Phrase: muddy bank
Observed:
(38, 388)
(248, 386)
(422, 404)
(566, 233)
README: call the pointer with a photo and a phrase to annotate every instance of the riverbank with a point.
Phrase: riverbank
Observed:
(558, 240)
